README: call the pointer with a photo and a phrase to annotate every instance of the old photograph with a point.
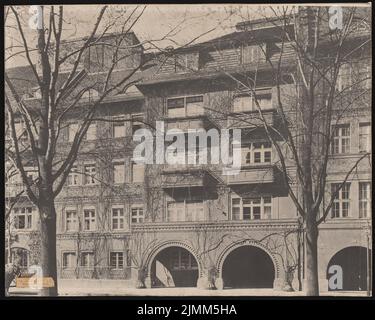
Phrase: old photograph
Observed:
(188, 150)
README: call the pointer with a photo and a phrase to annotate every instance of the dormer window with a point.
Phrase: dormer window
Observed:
(187, 62)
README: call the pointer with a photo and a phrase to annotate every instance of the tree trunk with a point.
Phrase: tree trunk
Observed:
(312, 279)
(48, 245)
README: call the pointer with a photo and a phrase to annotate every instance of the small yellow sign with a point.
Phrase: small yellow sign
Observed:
(35, 282)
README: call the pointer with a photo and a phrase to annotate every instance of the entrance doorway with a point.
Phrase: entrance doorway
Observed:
(248, 267)
(174, 267)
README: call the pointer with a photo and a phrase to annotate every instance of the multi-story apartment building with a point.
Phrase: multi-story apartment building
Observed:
(183, 224)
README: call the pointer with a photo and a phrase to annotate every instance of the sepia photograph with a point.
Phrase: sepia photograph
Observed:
(207, 150)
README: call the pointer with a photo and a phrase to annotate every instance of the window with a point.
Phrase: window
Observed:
(90, 171)
(118, 218)
(251, 208)
(264, 98)
(118, 172)
(194, 105)
(194, 211)
(183, 260)
(87, 259)
(116, 260)
(69, 260)
(340, 207)
(119, 129)
(364, 137)
(91, 132)
(176, 211)
(253, 53)
(344, 77)
(72, 130)
(341, 139)
(186, 62)
(73, 177)
(257, 152)
(89, 219)
(137, 122)
(364, 199)
(71, 221)
(137, 214)
(187, 210)
(21, 256)
(23, 218)
(185, 106)
(243, 102)
(138, 172)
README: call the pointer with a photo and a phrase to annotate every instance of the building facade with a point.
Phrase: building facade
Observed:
(191, 225)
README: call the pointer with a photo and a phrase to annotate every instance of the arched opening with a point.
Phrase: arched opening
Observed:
(248, 267)
(354, 264)
(174, 267)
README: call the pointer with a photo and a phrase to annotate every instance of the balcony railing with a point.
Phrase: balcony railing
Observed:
(186, 177)
(255, 174)
(252, 119)
(201, 121)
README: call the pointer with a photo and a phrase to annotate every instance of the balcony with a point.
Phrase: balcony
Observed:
(187, 177)
(189, 122)
(252, 119)
(254, 174)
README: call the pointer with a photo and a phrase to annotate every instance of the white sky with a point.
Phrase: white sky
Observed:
(156, 21)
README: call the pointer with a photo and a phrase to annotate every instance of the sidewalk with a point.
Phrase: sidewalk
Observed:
(172, 292)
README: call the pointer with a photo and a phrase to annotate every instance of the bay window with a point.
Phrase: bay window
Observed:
(23, 218)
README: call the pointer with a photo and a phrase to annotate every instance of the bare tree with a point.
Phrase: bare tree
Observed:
(303, 137)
